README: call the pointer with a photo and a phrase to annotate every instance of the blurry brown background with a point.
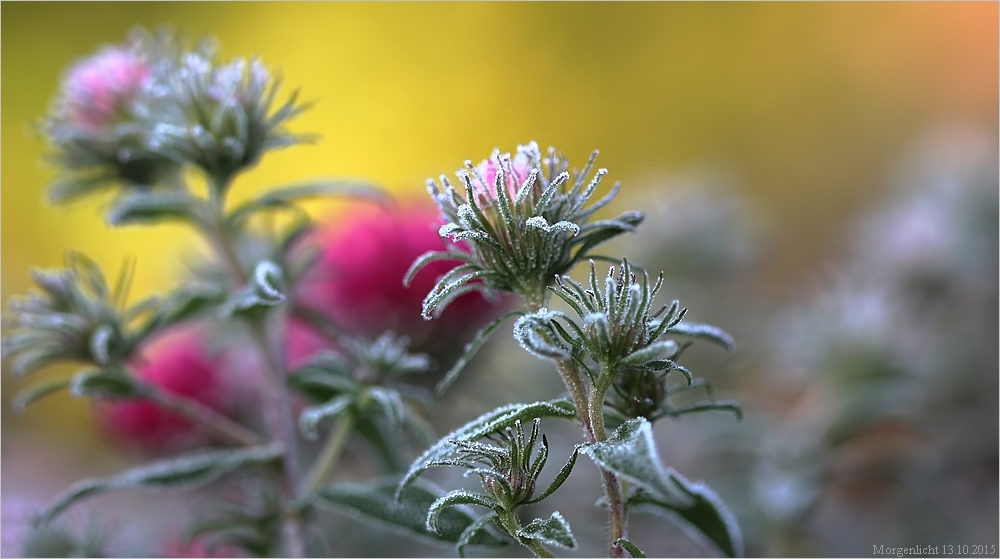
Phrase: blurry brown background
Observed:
(808, 105)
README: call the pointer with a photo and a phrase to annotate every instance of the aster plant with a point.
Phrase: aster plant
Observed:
(259, 368)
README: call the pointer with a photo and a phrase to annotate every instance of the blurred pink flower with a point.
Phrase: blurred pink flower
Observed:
(357, 283)
(180, 363)
(100, 89)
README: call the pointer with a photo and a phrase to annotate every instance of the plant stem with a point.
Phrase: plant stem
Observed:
(332, 448)
(220, 424)
(277, 408)
(617, 522)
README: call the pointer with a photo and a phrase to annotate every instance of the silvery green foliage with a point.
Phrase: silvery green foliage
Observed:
(508, 471)
(490, 422)
(377, 500)
(631, 453)
(617, 330)
(220, 117)
(192, 469)
(361, 380)
(76, 317)
(553, 530)
(522, 226)
(92, 154)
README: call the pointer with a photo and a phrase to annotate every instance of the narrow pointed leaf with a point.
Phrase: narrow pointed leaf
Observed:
(470, 350)
(630, 548)
(554, 530)
(490, 422)
(187, 470)
(152, 206)
(34, 393)
(564, 473)
(311, 416)
(706, 332)
(376, 500)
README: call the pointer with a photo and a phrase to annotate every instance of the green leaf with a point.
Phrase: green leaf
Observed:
(376, 500)
(552, 531)
(144, 207)
(312, 415)
(263, 290)
(285, 196)
(180, 305)
(708, 517)
(34, 393)
(452, 499)
(105, 383)
(472, 530)
(630, 452)
(630, 548)
(470, 350)
(490, 422)
(706, 332)
(192, 469)
(564, 473)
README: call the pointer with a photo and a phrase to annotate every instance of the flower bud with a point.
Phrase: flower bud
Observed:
(99, 91)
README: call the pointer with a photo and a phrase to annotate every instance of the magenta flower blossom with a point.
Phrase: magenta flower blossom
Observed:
(179, 363)
(357, 283)
(100, 90)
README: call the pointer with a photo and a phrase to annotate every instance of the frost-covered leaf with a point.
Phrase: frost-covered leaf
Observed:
(708, 517)
(150, 206)
(564, 473)
(470, 350)
(36, 392)
(186, 470)
(182, 304)
(377, 500)
(706, 332)
(453, 499)
(264, 289)
(102, 383)
(284, 196)
(312, 415)
(630, 547)
(391, 403)
(490, 422)
(630, 452)
(554, 530)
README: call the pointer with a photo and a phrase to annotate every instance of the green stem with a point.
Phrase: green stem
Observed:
(221, 425)
(332, 448)
(617, 521)
(277, 408)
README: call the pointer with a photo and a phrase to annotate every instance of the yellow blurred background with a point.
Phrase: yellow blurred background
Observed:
(808, 104)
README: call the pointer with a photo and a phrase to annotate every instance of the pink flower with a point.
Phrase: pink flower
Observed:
(99, 90)
(180, 363)
(488, 170)
(357, 282)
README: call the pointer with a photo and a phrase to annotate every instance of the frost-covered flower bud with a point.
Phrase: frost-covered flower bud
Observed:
(100, 124)
(357, 283)
(101, 90)
(181, 363)
(484, 179)
(219, 116)
(524, 220)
